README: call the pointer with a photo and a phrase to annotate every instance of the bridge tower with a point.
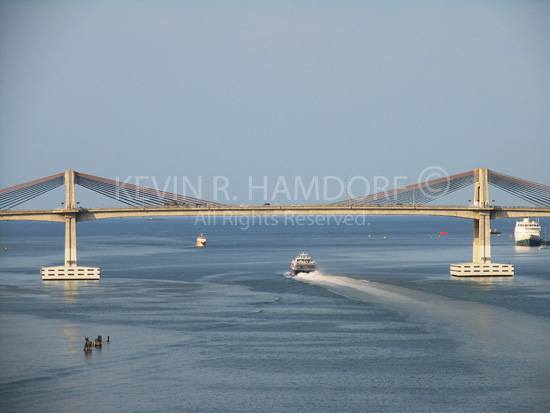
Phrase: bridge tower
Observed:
(70, 271)
(70, 220)
(482, 225)
(481, 265)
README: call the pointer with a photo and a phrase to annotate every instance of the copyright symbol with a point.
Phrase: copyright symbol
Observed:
(434, 182)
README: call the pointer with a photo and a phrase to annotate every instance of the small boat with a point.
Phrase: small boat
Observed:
(495, 231)
(302, 264)
(544, 242)
(201, 241)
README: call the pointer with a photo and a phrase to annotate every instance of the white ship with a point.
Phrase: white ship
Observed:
(201, 241)
(302, 263)
(527, 233)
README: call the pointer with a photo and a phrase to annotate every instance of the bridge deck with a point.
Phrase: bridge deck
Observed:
(88, 214)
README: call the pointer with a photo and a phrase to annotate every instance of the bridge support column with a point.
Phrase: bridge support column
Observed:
(70, 271)
(482, 239)
(70, 241)
(482, 225)
(481, 265)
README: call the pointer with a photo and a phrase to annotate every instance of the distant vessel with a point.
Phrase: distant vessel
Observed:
(495, 231)
(527, 233)
(544, 242)
(201, 241)
(302, 263)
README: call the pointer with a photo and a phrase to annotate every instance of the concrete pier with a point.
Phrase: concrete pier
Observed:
(472, 269)
(70, 271)
(481, 265)
(64, 273)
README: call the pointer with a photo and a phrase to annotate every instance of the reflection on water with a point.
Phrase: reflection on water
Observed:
(522, 249)
(70, 335)
(69, 288)
(483, 283)
(482, 322)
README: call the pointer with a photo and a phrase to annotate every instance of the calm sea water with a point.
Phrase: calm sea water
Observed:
(380, 327)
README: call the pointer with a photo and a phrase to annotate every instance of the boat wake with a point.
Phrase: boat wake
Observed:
(361, 289)
(462, 319)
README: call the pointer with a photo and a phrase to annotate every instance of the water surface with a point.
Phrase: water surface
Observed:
(380, 327)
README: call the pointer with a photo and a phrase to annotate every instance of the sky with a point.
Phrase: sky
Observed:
(264, 93)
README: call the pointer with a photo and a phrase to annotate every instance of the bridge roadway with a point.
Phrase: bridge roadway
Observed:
(89, 214)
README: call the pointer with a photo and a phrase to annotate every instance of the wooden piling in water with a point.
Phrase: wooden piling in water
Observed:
(87, 345)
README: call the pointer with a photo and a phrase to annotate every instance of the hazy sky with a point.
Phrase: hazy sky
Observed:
(241, 89)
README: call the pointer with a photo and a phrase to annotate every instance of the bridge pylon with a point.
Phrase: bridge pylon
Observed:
(482, 225)
(70, 220)
(70, 271)
(481, 265)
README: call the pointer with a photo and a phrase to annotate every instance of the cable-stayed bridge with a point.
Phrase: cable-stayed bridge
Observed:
(142, 201)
